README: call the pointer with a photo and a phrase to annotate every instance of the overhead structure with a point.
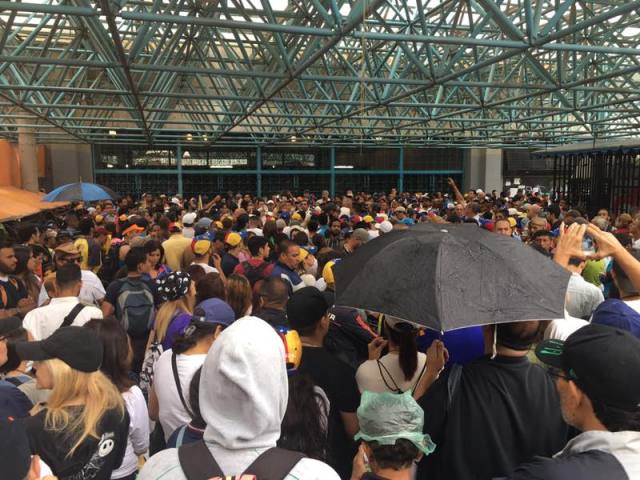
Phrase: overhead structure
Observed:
(493, 73)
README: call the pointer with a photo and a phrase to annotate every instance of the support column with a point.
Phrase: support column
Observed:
(28, 155)
(258, 171)
(179, 166)
(332, 167)
(401, 171)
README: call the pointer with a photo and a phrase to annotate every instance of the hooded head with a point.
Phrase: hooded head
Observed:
(244, 387)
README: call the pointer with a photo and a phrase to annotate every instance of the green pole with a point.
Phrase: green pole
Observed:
(401, 171)
(258, 171)
(332, 167)
(179, 165)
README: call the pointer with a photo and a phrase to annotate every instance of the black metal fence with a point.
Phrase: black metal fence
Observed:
(598, 179)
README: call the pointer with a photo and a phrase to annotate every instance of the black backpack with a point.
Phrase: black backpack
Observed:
(254, 274)
(349, 336)
(110, 265)
(197, 463)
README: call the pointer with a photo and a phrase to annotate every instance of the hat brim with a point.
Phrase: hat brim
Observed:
(550, 353)
(32, 351)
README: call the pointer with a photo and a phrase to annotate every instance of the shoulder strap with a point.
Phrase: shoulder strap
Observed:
(274, 464)
(174, 367)
(197, 463)
(68, 320)
(396, 388)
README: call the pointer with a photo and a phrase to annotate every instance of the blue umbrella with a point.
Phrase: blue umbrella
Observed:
(80, 192)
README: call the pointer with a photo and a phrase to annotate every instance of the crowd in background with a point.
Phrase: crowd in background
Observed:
(192, 338)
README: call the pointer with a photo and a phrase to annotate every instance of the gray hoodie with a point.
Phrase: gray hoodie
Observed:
(243, 399)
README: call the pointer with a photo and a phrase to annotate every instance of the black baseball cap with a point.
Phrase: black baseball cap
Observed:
(306, 307)
(78, 347)
(603, 361)
(9, 324)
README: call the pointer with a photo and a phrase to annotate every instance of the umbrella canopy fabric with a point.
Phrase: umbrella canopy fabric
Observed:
(17, 203)
(80, 192)
(451, 276)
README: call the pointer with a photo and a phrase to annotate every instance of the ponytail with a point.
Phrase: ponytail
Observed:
(403, 334)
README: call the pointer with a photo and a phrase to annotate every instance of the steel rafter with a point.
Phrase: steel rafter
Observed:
(524, 73)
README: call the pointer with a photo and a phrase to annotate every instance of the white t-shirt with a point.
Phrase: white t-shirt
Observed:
(206, 267)
(92, 291)
(138, 441)
(369, 378)
(172, 413)
(43, 321)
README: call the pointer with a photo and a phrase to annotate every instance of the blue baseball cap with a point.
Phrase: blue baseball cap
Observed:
(616, 313)
(214, 310)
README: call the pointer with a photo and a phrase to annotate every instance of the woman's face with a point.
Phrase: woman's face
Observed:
(154, 257)
(32, 264)
(44, 380)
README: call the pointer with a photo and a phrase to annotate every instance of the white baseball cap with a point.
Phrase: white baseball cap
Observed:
(384, 227)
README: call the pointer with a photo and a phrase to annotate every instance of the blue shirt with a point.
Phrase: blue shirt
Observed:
(280, 270)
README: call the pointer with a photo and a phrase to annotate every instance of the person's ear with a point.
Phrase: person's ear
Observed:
(218, 331)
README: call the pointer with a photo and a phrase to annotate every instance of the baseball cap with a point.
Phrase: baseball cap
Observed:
(304, 253)
(101, 231)
(204, 222)
(296, 216)
(385, 226)
(189, 218)
(616, 313)
(327, 272)
(200, 246)
(234, 239)
(400, 210)
(99, 218)
(600, 360)
(280, 224)
(368, 219)
(214, 310)
(133, 229)
(67, 249)
(361, 234)
(9, 324)
(306, 307)
(123, 218)
(78, 347)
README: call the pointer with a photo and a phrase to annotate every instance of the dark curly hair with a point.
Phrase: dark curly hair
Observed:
(397, 457)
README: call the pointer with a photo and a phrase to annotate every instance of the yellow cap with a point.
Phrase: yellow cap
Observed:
(99, 219)
(327, 272)
(296, 216)
(512, 222)
(303, 254)
(233, 239)
(368, 219)
(200, 247)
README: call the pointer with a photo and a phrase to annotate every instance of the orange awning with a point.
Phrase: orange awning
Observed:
(16, 203)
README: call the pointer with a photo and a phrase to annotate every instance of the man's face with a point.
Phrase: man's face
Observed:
(400, 215)
(8, 261)
(304, 206)
(156, 231)
(537, 224)
(459, 209)
(335, 228)
(292, 257)
(503, 228)
(604, 214)
(544, 242)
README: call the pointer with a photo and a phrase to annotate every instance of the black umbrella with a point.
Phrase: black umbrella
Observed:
(451, 276)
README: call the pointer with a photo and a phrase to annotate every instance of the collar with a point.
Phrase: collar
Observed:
(4, 278)
(64, 300)
(599, 440)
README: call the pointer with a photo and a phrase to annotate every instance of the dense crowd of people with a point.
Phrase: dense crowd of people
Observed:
(195, 338)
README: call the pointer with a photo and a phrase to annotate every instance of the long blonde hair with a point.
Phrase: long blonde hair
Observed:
(168, 311)
(96, 393)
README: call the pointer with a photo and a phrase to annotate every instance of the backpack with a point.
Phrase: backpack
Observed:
(135, 307)
(110, 265)
(151, 355)
(349, 336)
(197, 463)
(254, 274)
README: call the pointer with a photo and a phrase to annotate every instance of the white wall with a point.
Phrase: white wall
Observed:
(483, 169)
